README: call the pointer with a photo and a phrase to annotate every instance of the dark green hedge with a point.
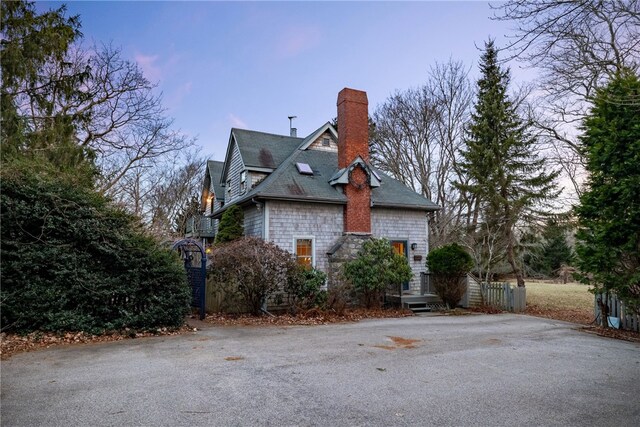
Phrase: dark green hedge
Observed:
(72, 261)
(448, 266)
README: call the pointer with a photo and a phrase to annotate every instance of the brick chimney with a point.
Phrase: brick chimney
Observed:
(353, 141)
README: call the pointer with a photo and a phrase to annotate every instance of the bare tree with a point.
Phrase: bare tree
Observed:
(111, 107)
(578, 45)
(417, 137)
(178, 187)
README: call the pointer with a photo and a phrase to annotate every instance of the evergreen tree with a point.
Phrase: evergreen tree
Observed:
(231, 225)
(548, 251)
(505, 174)
(31, 42)
(609, 211)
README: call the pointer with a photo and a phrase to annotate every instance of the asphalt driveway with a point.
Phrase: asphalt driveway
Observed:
(468, 370)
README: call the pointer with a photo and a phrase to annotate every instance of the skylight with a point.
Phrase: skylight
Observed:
(304, 168)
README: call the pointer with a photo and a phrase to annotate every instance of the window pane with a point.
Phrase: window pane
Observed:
(399, 248)
(304, 251)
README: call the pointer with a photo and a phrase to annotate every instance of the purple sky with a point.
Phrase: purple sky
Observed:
(252, 64)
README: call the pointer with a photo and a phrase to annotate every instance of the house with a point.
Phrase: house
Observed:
(318, 197)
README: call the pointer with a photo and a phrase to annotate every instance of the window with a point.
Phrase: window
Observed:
(243, 181)
(304, 169)
(229, 186)
(326, 142)
(304, 251)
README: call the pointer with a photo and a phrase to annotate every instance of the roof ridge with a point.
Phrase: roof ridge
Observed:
(265, 133)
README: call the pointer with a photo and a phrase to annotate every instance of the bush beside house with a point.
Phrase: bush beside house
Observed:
(376, 269)
(247, 271)
(448, 266)
(72, 261)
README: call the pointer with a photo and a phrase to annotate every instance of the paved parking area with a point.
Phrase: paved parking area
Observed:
(441, 370)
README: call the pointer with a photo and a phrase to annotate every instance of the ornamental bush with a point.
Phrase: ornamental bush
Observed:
(72, 261)
(304, 288)
(448, 266)
(376, 269)
(248, 271)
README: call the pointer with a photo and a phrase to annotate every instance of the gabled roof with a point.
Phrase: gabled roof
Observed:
(287, 183)
(214, 169)
(316, 134)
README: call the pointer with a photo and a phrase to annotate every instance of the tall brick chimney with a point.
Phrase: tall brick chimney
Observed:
(353, 141)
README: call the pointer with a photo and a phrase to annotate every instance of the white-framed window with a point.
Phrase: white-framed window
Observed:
(243, 181)
(326, 142)
(304, 248)
(229, 186)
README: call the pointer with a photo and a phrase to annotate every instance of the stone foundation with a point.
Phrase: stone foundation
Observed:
(345, 249)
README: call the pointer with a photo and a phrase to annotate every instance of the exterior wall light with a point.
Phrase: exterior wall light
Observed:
(414, 246)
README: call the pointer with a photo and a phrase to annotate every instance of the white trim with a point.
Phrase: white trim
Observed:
(313, 247)
(257, 169)
(311, 138)
(265, 221)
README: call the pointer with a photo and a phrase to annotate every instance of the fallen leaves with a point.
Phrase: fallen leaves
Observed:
(619, 334)
(11, 344)
(312, 317)
(582, 316)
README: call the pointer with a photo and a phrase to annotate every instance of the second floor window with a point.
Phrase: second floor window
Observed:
(243, 181)
(229, 186)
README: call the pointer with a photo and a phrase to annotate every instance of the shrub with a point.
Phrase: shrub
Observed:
(448, 266)
(231, 225)
(339, 297)
(304, 288)
(376, 268)
(250, 270)
(71, 261)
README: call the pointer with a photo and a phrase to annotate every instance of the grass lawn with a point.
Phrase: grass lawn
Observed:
(571, 302)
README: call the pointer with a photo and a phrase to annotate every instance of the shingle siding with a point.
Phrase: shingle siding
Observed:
(323, 222)
(255, 177)
(318, 145)
(233, 174)
(395, 224)
(253, 220)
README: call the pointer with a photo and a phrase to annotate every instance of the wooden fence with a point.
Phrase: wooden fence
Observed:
(505, 296)
(473, 295)
(617, 310)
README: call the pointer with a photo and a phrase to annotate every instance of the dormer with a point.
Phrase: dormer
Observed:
(325, 138)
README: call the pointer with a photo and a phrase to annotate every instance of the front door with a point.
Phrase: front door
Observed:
(400, 247)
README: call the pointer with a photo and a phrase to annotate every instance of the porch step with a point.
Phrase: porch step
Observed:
(425, 307)
(418, 307)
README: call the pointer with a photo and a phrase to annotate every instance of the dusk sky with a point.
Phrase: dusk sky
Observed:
(252, 64)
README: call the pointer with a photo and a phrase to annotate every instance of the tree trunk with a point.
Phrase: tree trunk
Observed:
(511, 257)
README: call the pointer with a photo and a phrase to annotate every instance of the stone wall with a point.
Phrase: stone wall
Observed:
(345, 249)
